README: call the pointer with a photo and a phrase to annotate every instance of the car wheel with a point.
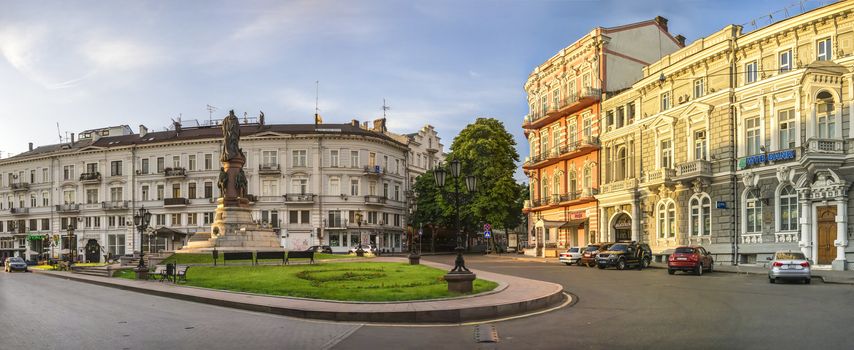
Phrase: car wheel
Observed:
(591, 264)
(699, 270)
(579, 263)
(621, 264)
(772, 280)
(640, 265)
(807, 281)
(645, 263)
(567, 264)
(670, 271)
(712, 266)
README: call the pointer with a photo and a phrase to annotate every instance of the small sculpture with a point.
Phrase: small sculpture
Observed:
(242, 184)
(223, 181)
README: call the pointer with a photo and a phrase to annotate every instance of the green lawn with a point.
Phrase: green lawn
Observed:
(356, 281)
(185, 259)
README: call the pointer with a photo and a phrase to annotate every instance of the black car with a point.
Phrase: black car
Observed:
(625, 254)
(320, 249)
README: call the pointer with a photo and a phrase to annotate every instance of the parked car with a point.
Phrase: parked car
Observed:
(588, 257)
(789, 265)
(624, 255)
(14, 263)
(367, 248)
(690, 259)
(320, 249)
(571, 256)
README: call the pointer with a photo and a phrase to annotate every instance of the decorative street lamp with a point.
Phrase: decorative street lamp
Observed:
(72, 239)
(141, 220)
(459, 279)
(414, 256)
(359, 250)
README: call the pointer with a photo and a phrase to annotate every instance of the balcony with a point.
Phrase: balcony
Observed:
(374, 170)
(826, 146)
(619, 186)
(270, 199)
(299, 198)
(172, 173)
(375, 200)
(269, 169)
(19, 211)
(20, 187)
(336, 224)
(571, 104)
(68, 208)
(175, 202)
(659, 176)
(90, 178)
(751, 238)
(115, 205)
(571, 150)
(694, 169)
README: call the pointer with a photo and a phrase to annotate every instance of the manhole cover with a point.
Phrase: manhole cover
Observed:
(485, 333)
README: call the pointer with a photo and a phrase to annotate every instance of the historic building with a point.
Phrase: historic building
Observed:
(564, 124)
(740, 143)
(315, 183)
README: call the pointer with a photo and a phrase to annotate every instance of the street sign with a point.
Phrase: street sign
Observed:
(487, 227)
(487, 234)
(420, 232)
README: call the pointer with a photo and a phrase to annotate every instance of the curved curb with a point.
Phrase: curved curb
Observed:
(496, 305)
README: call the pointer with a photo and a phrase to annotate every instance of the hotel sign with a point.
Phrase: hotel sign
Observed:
(761, 159)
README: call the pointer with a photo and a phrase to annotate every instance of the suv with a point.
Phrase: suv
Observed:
(588, 257)
(625, 254)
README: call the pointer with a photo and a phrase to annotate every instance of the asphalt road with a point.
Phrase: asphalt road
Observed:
(615, 310)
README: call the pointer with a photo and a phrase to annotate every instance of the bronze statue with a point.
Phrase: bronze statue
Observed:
(223, 181)
(242, 185)
(231, 137)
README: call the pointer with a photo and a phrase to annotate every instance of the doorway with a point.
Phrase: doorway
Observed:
(826, 234)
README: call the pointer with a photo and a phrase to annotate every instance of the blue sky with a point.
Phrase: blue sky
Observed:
(87, 64)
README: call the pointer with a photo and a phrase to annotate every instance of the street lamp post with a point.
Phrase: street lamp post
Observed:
(141, 220)
(414, 256)
(459, 279)
(72, 239)
(359, 250)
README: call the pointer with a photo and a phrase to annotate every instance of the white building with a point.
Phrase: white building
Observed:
(310, 181)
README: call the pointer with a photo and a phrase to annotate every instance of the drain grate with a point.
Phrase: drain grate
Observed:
(485, 333)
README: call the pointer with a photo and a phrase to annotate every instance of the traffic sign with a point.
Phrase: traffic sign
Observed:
(420, 232)
(487, 234)
(487, 227)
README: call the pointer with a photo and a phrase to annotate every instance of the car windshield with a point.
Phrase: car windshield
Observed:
(618, 247)
(684, 250)
(573, 250)
(16, 260)
(790, 256)
(592, 248)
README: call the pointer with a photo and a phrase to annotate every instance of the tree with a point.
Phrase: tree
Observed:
(487, 151)
(429, 211)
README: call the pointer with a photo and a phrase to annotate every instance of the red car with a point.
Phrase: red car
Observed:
(690, 259)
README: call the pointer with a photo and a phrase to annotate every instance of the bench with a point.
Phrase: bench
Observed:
(159, 271)
(302, 254)
(236, 256)
(270, 255)
(181, 273)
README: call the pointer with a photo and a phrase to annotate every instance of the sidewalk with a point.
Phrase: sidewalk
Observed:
(514, 296)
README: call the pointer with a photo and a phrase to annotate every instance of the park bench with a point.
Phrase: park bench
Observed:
(270, 255)
(236, 256)
(304, 254)
(159, 272)
(181, 273)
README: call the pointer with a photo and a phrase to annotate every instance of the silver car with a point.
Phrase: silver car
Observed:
(789, 265)
(571, 256)
(15, 264)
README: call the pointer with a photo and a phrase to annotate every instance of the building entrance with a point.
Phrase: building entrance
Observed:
(826, 234)
(93, 250)
(623, 228)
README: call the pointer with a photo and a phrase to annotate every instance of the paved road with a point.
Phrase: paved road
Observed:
(615, 310)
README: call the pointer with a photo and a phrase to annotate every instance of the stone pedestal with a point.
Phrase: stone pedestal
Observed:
(141, 274)
(234, 230)
(460, 282)
(414, 259)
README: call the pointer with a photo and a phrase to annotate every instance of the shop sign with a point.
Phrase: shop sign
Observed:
(623, 223)
(760, 159)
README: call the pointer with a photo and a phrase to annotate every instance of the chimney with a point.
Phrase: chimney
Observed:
(31, 146)
(681, 39)
(354, 122)
(662, 22)
(72, 138)
(142, 130)
(379, 125)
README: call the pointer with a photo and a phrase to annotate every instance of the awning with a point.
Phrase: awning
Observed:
(35, 237)
(574, 223)
(549, 223)
(165, 231)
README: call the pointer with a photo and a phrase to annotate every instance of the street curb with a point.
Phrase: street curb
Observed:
(403, 312)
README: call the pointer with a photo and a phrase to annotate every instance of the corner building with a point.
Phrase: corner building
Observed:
(742, 144)
(564, 125)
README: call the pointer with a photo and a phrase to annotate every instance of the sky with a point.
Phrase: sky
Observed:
(90, 64)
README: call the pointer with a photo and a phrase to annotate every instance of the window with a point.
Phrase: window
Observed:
(700, 145)
(299, 186)
(333, 158)
(116, 244)
(699, 88)
(385, 190)
(68, 197)
(823, 50)
(754, 213)
(701, 208)
(67, 173)
(208, 161)
(587, 126)
(45, 225)
(354, 187)
(544, 147)
(785, 61)
(176, 161)
(397, 192)
(666, 154)
(621, 117)
(572, 183)
(544, 103)
(556, 98)
(207, 218)
(372, 188)
(824, 114)
(666, 219)
(609, 119)
(32, 176)
(572, 132)
(92, 196)
(334, 219)
(160, 164)
(556, 184)
(175, 219)
(587, 178)
(116, 168)
(750, 72)
(299, 158)
(208, 189)
(269, 187)
(621, 164)
(116, 194)
(45, 199)
(269, 159)
(145, 192)
(372, 217)
(191, 162)
(630, 113)
(787, 128)
(372, 159)
(334, 186)
(665, 101)
(191, 190)
(160, 219)
(176, 191)
(354, 159)
(160, 192)
(192, 219)
(143, 167)
(753, 137)
(299, 216)
(788, 209)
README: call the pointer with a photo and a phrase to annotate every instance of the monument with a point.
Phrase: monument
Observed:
(233, 227)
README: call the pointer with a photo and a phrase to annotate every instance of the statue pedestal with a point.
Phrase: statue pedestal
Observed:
(233, 230)
(460, 282)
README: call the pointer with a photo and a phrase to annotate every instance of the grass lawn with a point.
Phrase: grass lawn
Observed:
(198, 258)
(357, 281)
(49, 267)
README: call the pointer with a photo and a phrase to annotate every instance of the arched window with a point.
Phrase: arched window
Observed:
(701, 210)
(671, 219)
(824, 115)
(754, 213)
(666, 211)
(788, 209)
(557, 183)
(695, 216)
(662, 220)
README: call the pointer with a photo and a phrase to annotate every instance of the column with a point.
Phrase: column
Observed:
(806, 232)
(635, 221)
(604, 223)
(841, 233)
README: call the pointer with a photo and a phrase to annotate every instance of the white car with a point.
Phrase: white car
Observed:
(571, 256)
(367, 248)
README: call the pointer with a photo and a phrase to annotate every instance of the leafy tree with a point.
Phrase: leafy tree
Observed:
(429, 211)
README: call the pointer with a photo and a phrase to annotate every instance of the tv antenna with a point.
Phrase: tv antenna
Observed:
(210, 109)
(385, 108)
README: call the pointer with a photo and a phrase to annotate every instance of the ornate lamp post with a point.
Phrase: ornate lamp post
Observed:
(141, 220)
(459, 279)
(414, 256)
(359, 250)
(72, 240)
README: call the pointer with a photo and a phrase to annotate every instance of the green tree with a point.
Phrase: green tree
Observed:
(429, 211)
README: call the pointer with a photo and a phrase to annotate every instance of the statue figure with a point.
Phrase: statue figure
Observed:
(231, 136)
(223, 181)
(261, 118)
(242, 184)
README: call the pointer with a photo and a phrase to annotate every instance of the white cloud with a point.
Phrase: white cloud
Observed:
(120, 54)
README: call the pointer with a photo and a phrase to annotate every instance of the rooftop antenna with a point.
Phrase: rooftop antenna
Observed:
(316, 97)
(58, 132)
(210, 109)
(385, 108)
